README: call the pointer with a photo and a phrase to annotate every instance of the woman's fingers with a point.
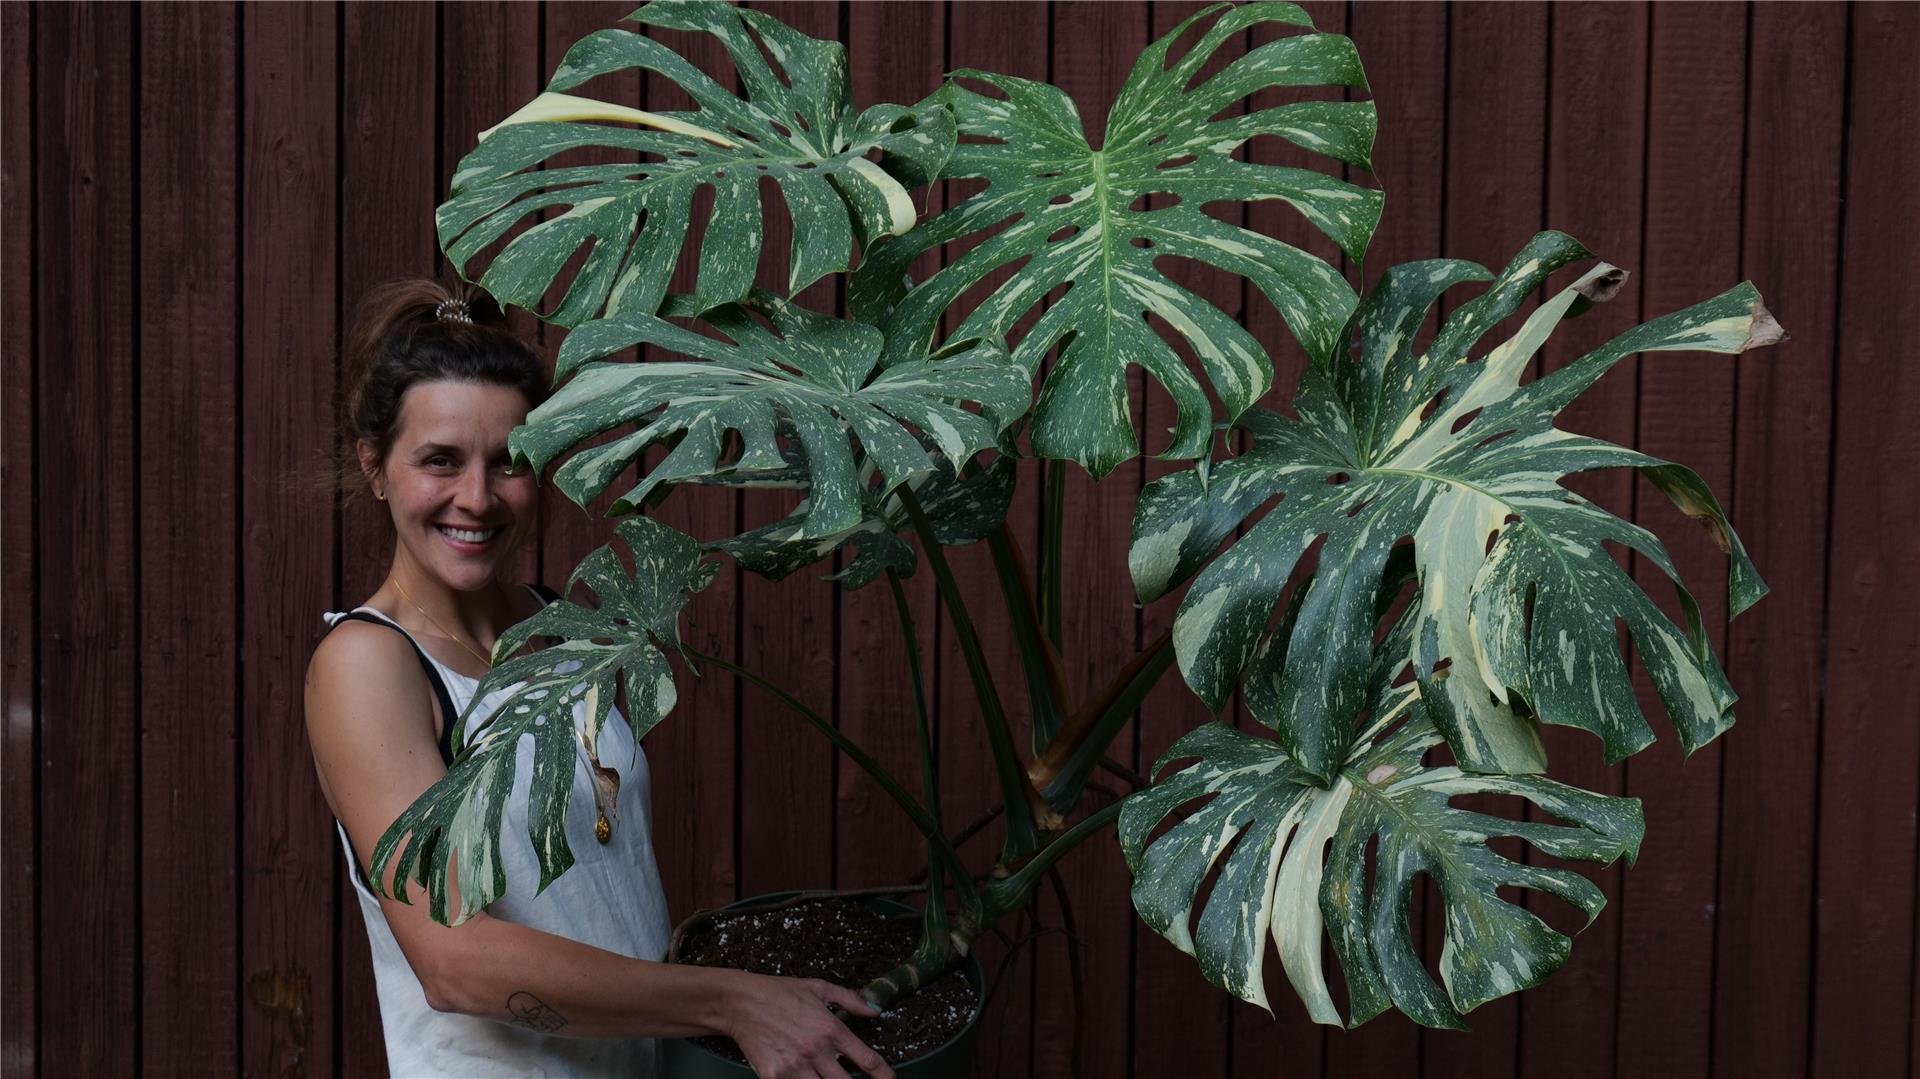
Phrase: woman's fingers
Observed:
(864, 1058)
(853, 1002)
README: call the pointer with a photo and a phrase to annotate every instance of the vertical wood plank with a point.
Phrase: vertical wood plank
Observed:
(1181, 1022)
(898, 53)
(1594, 173)
(1094, 46)
(693, 754)
(1862, 973)
(979, 38)
(387, 197)
(1783, 430)
(90, 652)
(1404, 48)
(19, 557)
(1696, 116)
(786, 768)
(1496, 111)
(289, 861)
(189, 692)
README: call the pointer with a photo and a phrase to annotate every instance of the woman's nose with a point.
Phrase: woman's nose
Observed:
(476, 489)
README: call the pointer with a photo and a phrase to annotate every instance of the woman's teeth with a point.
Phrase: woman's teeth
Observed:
(465, 536)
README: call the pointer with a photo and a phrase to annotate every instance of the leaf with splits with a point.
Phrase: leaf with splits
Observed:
(781, 372)
(1453, 452)
(1072, 218)
(795, 125)
(560, 696)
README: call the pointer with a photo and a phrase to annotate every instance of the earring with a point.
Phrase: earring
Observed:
(379, 496)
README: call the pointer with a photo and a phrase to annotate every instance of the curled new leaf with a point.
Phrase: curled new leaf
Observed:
(560, 697)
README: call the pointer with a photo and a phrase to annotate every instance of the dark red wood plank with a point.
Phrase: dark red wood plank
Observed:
(1181, 1022)
(1869, 742)
(89, 642)
(19, 629)
(189, 692)
(1696, 114)
(1495, 153)
(290, 861)
(979, 38)
(1094, 46)
(695, 804)
(1404, 49)
(388, 191)
(1783, 427)
(786, 768)
(898, 54)
(1594, 170)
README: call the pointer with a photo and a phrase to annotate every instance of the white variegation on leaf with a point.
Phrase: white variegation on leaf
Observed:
(796, 125)
(809, 379)
(1299, 868)
(1071, 220)
(1452, 451)
(560, 697)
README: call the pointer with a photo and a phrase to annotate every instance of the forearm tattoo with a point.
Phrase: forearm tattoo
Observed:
(532, 1013)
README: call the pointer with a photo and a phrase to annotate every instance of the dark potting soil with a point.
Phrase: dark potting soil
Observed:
(840, 941)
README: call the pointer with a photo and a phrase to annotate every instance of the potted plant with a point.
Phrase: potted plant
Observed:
(1459, 596)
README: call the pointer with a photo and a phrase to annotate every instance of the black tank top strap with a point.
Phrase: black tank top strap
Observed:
(547, 595)
(448, 717)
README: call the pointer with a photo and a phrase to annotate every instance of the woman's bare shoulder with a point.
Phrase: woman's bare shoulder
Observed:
(360, 668)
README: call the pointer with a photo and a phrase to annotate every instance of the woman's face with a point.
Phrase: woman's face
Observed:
(459, 507)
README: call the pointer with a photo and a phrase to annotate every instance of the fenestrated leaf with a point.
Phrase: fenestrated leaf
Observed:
(1525, 631)
(796, 125)
(807, 377)
(1069, 217)
(1298, 868)
(560, 697)
(962, 511)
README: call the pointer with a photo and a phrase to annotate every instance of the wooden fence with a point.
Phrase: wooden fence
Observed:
(193, 194)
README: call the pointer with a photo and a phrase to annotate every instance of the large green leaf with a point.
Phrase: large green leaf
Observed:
(1299, 868)
(797, 376)
(796, 125)
(1395, 442)
(560, 698)
(1071, 219)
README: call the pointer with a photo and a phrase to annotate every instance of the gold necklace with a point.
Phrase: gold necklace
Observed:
(436, 625)
(602, 828)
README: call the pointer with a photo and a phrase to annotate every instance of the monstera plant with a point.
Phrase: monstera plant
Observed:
(1403, 569)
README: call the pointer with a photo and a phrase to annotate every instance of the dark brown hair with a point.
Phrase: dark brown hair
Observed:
(398, 338)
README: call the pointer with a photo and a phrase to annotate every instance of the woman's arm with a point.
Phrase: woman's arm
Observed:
(370, 722)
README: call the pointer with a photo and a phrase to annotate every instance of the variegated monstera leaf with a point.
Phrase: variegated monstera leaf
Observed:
(803, 378)
(561, 698)
(1394, 441)
(796, 124)
(1299, 868)
(1072, 220)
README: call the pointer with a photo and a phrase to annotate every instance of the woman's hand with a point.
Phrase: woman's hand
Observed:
(784, 1028)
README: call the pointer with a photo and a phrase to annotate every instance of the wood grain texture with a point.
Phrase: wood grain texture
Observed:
(189, 691)
(19, 556)
(1093, 49)
(291, 867)
(1496, 156)
(90, 650)
(979, 38)
(1696, 119)
(1864, 906)
(1597, 100)
(1782, 434)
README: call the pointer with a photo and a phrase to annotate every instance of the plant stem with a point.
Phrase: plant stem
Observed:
(928, 827)
(1051, 526)
(1005, 895)
(1017, 792)
(1039, 658)
(936, 912)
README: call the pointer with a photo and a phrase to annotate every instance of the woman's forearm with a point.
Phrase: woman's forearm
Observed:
(548, 983)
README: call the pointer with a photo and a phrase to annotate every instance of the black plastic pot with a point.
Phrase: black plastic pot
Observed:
(685, 1059)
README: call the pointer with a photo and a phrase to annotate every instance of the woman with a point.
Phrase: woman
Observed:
(567, 982)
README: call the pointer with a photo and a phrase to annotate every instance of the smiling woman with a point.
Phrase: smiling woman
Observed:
(565, 979)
